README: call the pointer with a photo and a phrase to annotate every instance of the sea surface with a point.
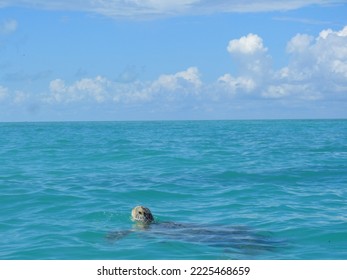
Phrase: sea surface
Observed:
(217, 189)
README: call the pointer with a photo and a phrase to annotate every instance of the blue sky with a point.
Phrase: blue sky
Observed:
(184, 59)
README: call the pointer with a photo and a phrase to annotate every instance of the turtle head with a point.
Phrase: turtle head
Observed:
(142, 214)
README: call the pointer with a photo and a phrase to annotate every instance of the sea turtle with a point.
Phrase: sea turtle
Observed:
(142, 214)
(217, 236)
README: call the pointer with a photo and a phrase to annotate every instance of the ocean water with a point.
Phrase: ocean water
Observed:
(217, 189)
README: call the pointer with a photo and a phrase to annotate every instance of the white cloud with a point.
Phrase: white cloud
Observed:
(293, 91)
(299, 43)
(253, 65)
(325, 33)
(250, 56)
(153, 8)
(8, 26)
(86, 88)
(246, 45)
(160, 5)
(57, 85)
(323, 59)
(183, 80)
(317, 68)
(100, 89)
(316, 72)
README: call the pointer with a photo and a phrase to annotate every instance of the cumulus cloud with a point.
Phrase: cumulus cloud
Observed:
(316, 71)
(317, 67)
(154, 8)
(8, 26)
(299, 43)
(84, 89)
(183, 80)
(101, 89)
(305, 91)
(247, 45)
(253, 64)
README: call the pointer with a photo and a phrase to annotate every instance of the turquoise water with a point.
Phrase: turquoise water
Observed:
(240, 189)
